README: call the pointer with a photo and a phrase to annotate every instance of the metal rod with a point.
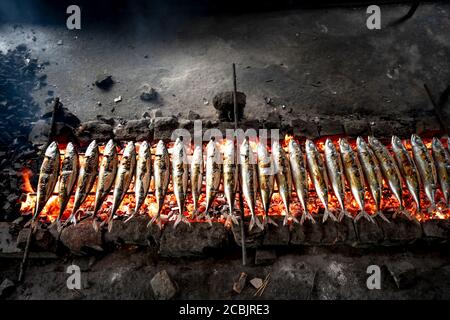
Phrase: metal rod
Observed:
(238, 166)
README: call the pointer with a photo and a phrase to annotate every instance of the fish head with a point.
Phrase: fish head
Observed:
(374, 142)
(344, 145)
(160, 148)
(276, 147)
(129, 149)
(52, 150)
(91, 149)
(437, 144)
(197, 157)
(245, 147)
(70, 149)
(211, 148)
(329, 145)
(396, 142)
(416, 141)
(361, 143)
(293, 145)
(310, 146)
(262, 151)
(144, 149)
(110, 148)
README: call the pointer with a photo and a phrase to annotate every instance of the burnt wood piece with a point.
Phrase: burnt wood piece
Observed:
(253, 238)
(81, 238)
(135, 130)
(369, 234)
(134, 231)
(400, 230)
(224, 104)
(276, 236)
(437, 230)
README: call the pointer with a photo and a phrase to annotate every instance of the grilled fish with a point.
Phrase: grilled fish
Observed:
(300, 178)
(143, 176)
(229, 179)
(283, 178)
(266, 176)
(337, 175)
(426, 169)
(355, 177)
(249, 180)
(372, 172)
(407, 169)
(69, 174)
(161, 171)
(390, 172)
(442, 162)
(86, 179)
(123, 179)
(213, 173)
(48, 176)
(196, 177)
(180, 175)
(106, 175)
(319, 177)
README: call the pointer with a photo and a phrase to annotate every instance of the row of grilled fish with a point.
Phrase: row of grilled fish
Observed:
(368, 165)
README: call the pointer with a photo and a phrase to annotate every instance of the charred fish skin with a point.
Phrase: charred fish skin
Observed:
(372, 173)
(86, 178)
(213, 175)
(143, 176)
(249, 180)
(161, 171)
(442, 162)
(266, 177)
(355, 176)
(123, 179)
(300, 178)
(67, 180)
(283, 177)
(230, 179)
(48, 176)
(407, 169)
(106, 176)
(336, 175)
(391, 172)
(196, 177)
(426, 168)
(318, 175)
(180, 175)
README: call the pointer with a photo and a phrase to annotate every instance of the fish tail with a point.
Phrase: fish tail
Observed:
(365, 215)
(95, 225)
(307, 216)
(327, 213)
(432, 207)
(181, 218)
(380, 214)
(269, 220)
(132, 215)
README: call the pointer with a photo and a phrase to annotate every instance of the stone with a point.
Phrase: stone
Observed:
(253, 238)
(239, 285)
(199, 239)
(388, 128)
(134, 231)
(437, 229)
(368, 233)
(307, 234)
(355, 128)
(163, 287)
(149, 94)
(272, 120)
(134, 130)
(104, 81)
(302, 128)
(163, 127)
(118, 99)
(427, 125)
(81, 238)
(224, 104)
(276, 236)
(193, 115)
(330, 127)
(403, 272)
(7, 243)
(400, 230)
(6, 287)
(265, 257)
(94, 130)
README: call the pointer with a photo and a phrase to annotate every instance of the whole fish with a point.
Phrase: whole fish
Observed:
(355, 177)
(48, 176)
(161, 171)
(196, 177)
(300, 178)
(426, 168)
(249, 180)
(106, 175)
(407, 169)
(442, 162)
(337, 175)
(125, 173)
(69, 174)
(372, 172)
(180, 175)
(143, 176)
(86, 179)
(319, 177)
(390, 172)
(266, 176)
(229, 179)
(283, 178)
(213, 173)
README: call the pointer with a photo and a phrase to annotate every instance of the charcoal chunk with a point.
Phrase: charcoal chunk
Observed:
(224, 104)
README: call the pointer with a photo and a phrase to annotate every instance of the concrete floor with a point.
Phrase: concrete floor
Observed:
(319, 62)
